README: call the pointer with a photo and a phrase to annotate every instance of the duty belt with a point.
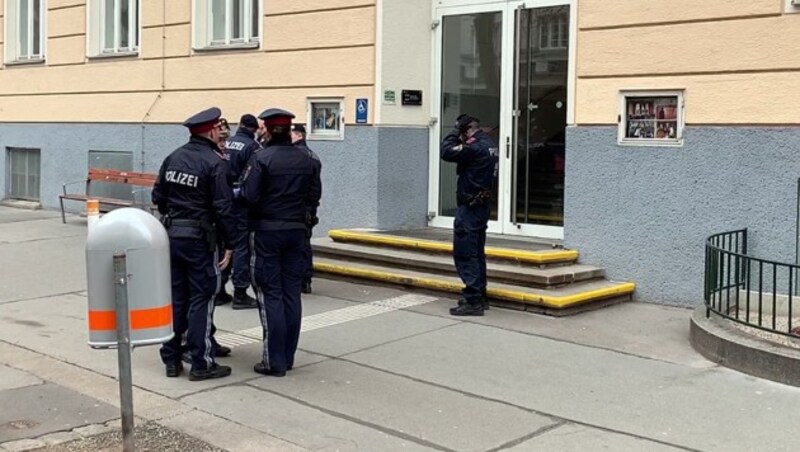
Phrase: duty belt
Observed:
(275, 225)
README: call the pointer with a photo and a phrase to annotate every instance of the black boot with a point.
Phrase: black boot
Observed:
(262, 369)
(467, 309)
(215, 371)
(484, 301)
(223, 297)
(306, 287)
(174, 369)
(243, 301)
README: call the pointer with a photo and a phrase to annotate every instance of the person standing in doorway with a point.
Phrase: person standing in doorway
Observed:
(299, 140)
(476, 157)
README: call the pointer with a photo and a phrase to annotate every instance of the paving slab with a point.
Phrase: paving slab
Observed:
(353, 291)
(13, 378)
(642, 329)
(37, 410)
(449, 419)
(355, 335)
(598, 387)
(38, 230)
(42, 268)
(227, 435)
(579, 438)
(297, 423)
(14, 215)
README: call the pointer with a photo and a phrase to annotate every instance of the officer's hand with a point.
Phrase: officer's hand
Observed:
(226, 260)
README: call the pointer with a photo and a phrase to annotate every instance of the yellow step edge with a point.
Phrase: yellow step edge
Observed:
(503, 294)
(530, 257)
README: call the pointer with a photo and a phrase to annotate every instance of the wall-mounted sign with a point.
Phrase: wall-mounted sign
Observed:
(362, 111)
(412, 97)
(389, 96)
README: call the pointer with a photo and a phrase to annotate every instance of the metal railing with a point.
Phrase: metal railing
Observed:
(756, 292)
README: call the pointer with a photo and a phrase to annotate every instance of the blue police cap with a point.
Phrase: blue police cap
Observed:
(276, 117)
(203, 121)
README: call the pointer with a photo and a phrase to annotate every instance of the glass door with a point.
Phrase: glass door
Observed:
(507, 63)
(540, 90)
(470, 65)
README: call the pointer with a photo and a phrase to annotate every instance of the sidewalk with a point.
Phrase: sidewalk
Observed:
(380, 369)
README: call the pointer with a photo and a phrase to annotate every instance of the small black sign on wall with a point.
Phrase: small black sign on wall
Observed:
(412, 97)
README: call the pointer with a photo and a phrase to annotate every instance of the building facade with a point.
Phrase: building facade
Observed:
(629, 129)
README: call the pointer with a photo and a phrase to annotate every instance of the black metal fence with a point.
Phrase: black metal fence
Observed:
(756, 292)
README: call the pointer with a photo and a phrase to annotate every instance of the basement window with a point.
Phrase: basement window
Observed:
(651, 118)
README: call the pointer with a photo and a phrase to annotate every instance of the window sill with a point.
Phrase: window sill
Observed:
(672, 142)
(25, 62)
(111, 56)
(337, 137)
(217, 48)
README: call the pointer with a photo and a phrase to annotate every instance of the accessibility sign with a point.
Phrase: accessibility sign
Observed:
(362, 111)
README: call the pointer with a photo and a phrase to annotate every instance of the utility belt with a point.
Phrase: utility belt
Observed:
(275, 225)
(481, 198)
(205, 229)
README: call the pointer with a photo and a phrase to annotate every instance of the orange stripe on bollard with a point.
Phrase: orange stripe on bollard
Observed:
(140, 319)
(92, 207)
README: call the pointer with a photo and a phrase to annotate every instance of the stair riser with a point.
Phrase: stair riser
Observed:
(492, 274)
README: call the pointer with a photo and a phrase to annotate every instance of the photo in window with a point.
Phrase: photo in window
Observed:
(651, 118)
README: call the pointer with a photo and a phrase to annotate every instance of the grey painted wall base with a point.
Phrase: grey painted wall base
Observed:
(644, 213)
(722, 344)
(376, 178)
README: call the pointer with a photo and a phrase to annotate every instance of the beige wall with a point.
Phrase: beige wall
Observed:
(310, 48)
(405, 59)
(737, 61)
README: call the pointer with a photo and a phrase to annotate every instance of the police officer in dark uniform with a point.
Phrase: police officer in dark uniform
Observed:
(299, 140)
(240, 147)
(477, 158)
(193, 195)
(280, 184)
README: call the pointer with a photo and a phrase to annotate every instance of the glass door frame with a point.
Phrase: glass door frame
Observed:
(507, 144)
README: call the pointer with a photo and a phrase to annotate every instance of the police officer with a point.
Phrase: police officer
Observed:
(223, 297)
(240, 148)
(280, 184)
(476, 157)
(193, 195)
(299, 140)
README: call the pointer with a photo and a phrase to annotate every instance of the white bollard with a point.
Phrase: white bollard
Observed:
(92, 213)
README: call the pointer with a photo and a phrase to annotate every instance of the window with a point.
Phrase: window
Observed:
(554, 31)
(25, 30)
(227, 23)
(793, 6)
(325, 119)
(23, 174)
(651, 118)
(114, 28)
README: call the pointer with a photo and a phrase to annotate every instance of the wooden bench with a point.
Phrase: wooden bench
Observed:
(134, 179)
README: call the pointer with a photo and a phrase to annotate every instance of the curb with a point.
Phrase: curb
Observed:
(734, 349)
(553, 302)
(529, 257)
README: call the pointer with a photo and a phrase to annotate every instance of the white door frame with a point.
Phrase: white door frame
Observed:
(503, 224)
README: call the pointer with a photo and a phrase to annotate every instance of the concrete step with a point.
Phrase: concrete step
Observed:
(521, 256)
(553, 300)
(440, 263)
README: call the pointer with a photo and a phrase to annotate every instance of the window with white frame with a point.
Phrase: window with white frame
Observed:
(651, 118)
(325, 118)
(114, 27)
(554, 31)
(227, 23)
(25, 30)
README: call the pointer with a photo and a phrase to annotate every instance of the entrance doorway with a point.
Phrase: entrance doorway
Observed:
(509, 64)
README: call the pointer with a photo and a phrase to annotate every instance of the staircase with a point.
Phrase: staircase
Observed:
(522, 273)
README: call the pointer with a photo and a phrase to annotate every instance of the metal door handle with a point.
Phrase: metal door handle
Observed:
(508, 147)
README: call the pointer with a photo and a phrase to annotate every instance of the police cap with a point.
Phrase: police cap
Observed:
(299, 128)
(204, 121)
(276, 117)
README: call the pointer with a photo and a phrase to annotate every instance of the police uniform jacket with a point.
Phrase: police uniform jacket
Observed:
(193, 184)
(240, 147)
(303, 145)
(477, 161)
(281, 186)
